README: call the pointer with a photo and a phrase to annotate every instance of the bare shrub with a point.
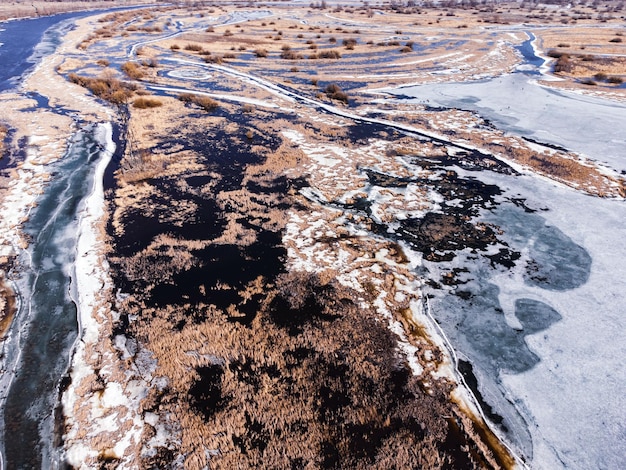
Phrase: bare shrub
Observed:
(331, 54)
(563, 64)
(349, 43)
(260, 53)
(132, 70)
(143, 103)
(215, 59)
(193, 47)
(600, 76)
(288, 54)
(204, 102)
(334, 92)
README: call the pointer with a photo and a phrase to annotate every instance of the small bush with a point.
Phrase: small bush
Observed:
(143, 103)
(349, 43)
(152, 63)
(616, 40)
(331, 54)
(615, 80)
(193, 47)
(290, 55)
(132, 70)
(214, 59)
(563, 64)
(601, 76)
(555, 54)
(174, 47)
(260, 53)
(589, 81)
(204, 102)
(334, 92)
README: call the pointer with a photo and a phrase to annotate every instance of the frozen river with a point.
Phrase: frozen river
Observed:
(37, 349)
(545, 338)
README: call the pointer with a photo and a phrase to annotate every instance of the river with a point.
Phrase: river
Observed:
(38, 347)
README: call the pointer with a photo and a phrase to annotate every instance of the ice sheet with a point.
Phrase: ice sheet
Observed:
(517, 103)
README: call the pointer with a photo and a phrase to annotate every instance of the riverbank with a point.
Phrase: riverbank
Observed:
(35, 9)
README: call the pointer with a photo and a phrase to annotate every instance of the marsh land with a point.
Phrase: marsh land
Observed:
(323, 236)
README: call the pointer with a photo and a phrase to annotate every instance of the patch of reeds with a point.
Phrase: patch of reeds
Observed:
(107, 88)
(204, 102)
(132, 70)
(144, 103)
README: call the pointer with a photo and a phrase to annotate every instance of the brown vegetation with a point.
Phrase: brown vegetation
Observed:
(295, 370)
(107, 88)
(143, 103)
(334, 91)
(132, 70)
(204, 102)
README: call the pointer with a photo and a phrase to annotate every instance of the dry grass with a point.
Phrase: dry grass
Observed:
(106, 87)
(143, 103)
(8, 305)
(132, 70)
(4, 130)
(204, 102)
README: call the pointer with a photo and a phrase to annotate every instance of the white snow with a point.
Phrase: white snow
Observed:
(574, 397)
